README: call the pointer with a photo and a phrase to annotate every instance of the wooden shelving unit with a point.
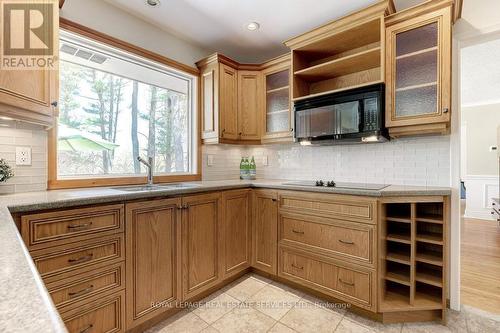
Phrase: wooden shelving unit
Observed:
(344, 54)
(413, 258)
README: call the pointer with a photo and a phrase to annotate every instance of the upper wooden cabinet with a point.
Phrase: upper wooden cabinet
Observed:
(231, 101)
(277, 122)
(249, 105)
(31, 95)
(228, 102)
(418, 70)
(244, 103)
(341, 55)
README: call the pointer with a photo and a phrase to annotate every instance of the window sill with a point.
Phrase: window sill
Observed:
(117, 181)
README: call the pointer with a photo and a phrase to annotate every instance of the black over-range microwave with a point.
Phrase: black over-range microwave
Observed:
(353, 116)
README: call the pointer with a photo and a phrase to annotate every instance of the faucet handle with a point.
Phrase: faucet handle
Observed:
(150, 160)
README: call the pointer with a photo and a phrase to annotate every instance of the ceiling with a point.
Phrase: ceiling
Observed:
(220, 25)
(480, 74)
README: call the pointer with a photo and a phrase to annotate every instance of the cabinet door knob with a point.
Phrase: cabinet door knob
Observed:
(54, 104)
(446, 110)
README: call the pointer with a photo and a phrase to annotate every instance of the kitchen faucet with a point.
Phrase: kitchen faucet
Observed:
(149, 165)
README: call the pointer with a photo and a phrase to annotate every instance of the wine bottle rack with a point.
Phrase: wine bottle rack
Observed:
(413, 256)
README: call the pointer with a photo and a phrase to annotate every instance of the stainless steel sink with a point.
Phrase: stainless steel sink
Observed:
(179, 185)
(139, 188)
(156, 187)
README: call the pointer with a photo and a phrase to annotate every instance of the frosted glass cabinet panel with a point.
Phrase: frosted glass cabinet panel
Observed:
(277, 118)
(418, 69)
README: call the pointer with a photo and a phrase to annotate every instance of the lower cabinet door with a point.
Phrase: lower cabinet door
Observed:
(152, 258)
(346, 282)
(101, 316)
(265, 231)
(236, 231)
(201, 251)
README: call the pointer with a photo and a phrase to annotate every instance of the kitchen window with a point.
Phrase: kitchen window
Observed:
(115, 106)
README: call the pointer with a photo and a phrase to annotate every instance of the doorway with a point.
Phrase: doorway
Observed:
(479, 170)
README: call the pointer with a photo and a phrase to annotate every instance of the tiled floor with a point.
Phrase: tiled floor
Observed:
(255, 304)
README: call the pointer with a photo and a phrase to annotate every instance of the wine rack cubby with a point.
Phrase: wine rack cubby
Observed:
(413, 248)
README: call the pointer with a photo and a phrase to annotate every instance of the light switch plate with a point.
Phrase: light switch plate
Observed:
(210, 160)
(265, 160)
(23, 155)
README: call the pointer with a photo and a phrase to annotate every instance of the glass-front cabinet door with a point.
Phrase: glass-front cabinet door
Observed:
(277, 124)
(418, 69)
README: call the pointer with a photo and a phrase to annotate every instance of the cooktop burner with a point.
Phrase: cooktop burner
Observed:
(331, 183)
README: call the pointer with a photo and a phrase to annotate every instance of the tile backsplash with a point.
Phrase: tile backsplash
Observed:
(412, 161)
(27, 178)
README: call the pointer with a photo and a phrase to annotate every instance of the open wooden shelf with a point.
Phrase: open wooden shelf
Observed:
(334, 62)
(432, 238)
(405, 239)
(401, 258)
(353, 63)
(429, 278)
(434, 258)
(336, 90)
(398, 277)
(411, 275)
(430, 218)
(401, 219)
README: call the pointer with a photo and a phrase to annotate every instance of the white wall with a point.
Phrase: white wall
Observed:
(421, 161)
(103, 17)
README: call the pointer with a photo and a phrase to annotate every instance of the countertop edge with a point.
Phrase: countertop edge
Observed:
(40, 313)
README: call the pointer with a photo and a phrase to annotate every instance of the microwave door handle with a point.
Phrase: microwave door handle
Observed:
(361, 119)
(338, 120)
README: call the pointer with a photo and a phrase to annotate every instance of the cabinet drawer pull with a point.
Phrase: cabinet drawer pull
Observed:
(298, 267)
(81, 292)
(346, 242)
(87, 329)
(351, 284)
(297, 232)
(81, 259)
(79, 226)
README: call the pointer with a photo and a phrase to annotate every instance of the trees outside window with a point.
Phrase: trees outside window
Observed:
(114, 111)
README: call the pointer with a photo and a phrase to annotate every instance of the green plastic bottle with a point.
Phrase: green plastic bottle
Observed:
(253, 169)
(242, 168)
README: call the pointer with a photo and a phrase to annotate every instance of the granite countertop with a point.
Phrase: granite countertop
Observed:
(25, 305)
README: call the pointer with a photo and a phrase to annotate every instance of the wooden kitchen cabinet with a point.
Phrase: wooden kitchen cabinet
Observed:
(201, 249)
(228, 102)
(249, 105)
(31, 95)
(231, 101)
(277, 116)
(236, 231)
(265, 231)
(418, 70)
(152, 258)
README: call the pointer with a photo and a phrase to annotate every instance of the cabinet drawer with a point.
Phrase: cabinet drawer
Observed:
(345, 282)
(71, 257)
(347, 240)
(358, 209)
(83, 286)
(102, 316)
(53, 228)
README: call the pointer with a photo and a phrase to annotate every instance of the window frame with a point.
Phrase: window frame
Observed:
(55, 183)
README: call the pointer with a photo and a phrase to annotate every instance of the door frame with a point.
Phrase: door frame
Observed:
(459, 42)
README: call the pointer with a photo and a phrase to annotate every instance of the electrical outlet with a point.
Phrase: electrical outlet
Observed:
(210, 160)
(265, 160)
(23, 155)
